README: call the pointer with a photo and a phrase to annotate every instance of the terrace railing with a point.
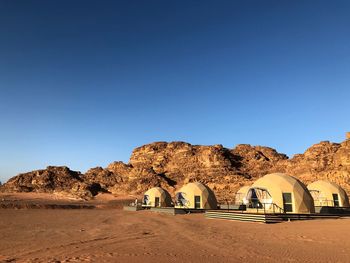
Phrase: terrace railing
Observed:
(266, 207)
(255, 204)
(183, 203)
(325, 202)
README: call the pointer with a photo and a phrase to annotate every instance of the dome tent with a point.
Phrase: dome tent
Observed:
(241, 194)
(195, 196)
(156, 197)
(326, 193)
(280, 191)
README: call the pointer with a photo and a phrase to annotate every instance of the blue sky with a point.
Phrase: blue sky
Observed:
(84, 82)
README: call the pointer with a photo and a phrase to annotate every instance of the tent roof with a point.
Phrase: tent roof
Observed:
(281, 180)
(195, 186)
(244, 189)
(155, 190)
(323, 185)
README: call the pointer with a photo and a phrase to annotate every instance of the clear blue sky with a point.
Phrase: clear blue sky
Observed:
(84, 82)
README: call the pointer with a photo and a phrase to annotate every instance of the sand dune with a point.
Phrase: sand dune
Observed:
(112, 235)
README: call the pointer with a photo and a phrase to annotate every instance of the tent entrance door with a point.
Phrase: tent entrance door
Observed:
(287, 202)
(335, 200)
(197, 202)
(156, 202)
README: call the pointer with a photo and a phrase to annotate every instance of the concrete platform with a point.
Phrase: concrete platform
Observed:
(132, 208)
(332, 210)
(168, 210)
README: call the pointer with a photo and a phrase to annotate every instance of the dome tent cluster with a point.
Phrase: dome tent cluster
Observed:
(191, 196)
(279, 192)
(272, 193)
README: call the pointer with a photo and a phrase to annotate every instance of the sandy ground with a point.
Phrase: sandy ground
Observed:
(111, 235)
(114, 235)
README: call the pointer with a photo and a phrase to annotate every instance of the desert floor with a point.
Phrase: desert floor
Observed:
(114, 235)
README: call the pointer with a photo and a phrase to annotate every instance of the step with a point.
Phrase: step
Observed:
(264, 218)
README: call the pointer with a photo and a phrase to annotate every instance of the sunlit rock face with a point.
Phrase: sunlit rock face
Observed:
(324, 160)
(170, 165)
(50, 180)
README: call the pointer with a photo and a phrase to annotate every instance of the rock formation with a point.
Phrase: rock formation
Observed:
(170, 165)
(325, 160)
(52, 179)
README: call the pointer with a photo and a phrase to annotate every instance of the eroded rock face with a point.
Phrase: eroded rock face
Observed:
(170, 165)
(120, 168)
(179, 163)
(179, 160)
(104, 177)
(256, 161)
(325, 160)
(52, 179)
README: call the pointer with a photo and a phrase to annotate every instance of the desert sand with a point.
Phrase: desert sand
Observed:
(114, 235)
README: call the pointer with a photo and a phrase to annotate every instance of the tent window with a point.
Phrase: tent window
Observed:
(259, 198)
(287, 202)
(146, 200)
(336, 199)
(181, 199)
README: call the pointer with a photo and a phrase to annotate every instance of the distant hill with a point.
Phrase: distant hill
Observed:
(170, 165)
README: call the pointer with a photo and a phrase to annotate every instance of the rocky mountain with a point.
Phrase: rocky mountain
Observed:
(170, 165)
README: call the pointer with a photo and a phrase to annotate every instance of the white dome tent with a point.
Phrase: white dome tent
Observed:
(156, 197)
(195, 196)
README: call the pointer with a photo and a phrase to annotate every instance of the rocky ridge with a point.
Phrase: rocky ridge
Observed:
(170, 165)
